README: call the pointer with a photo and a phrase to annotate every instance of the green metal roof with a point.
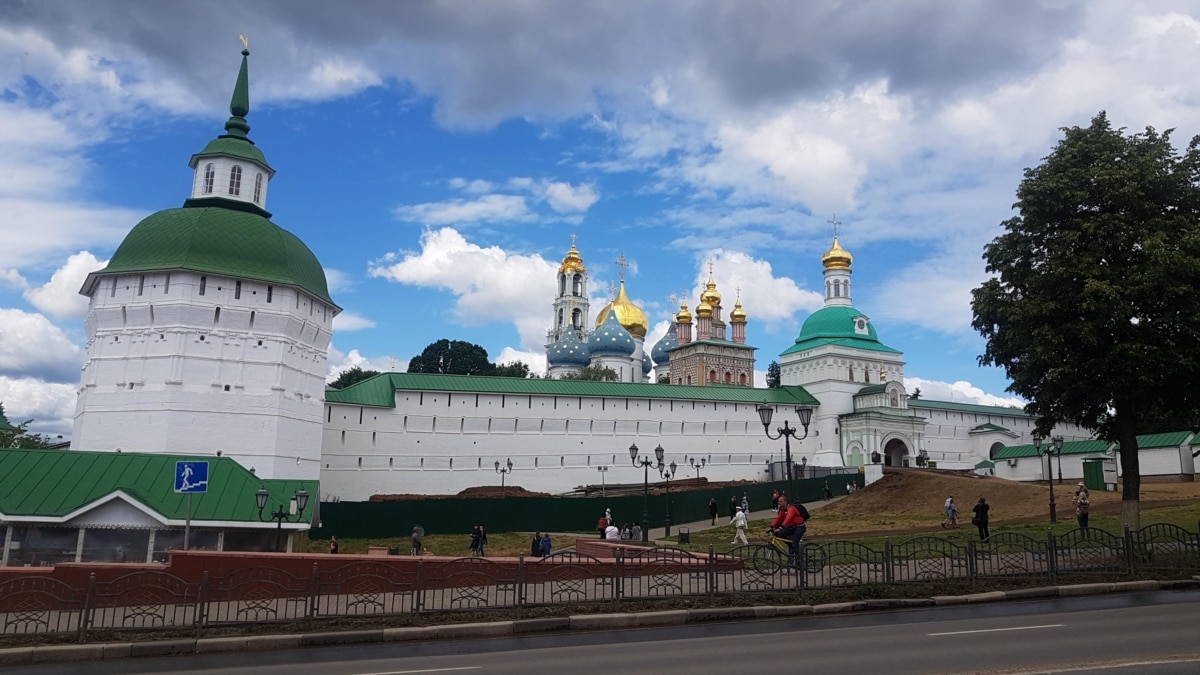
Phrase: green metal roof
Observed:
(965, 407)
(872, 389)
(985, 464)
(990, 427)
(242, 148)
(1086, 447)
(218, 240)
(1170, 439)
(835, 325)
(380, 390)
(55, 483)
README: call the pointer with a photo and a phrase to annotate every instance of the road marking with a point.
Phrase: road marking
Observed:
(997, 630)
(425, 670)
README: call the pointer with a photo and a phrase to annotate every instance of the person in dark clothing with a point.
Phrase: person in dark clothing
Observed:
(333, 544)
(476, 543)
(828, 491)
(713, 509)
(733, 504)
(535, 547)
(980, 519)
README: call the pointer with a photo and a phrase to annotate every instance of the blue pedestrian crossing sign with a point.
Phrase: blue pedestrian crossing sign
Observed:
(191, 476)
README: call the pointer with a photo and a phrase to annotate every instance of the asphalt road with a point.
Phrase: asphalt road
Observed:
(1151, 633)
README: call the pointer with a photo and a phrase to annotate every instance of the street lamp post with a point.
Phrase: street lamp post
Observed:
(667, 472)
(603, 470)
(1054, 444)
(503, 471)
(294, 511)
(646, 463)
(804, 412)
(1058, 443)
(697, 467)
(804, 467)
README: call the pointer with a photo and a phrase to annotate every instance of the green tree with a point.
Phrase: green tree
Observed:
(774, 375)
(595, 373)
(453, 357)
(1093, 310)
(514, 369)
(352, 376)
(18, 436)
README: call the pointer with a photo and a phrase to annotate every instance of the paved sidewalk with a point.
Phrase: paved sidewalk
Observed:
(659, 533)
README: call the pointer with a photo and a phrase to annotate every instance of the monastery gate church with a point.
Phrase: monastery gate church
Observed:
(209, 330)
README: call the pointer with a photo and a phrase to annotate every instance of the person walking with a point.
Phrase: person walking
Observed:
(733, 505)
(1082, 506)
(951, 511)
(636, 531)
(980, 519)
(774, 500)
(828, 491)
(739, 527)
(416, 546)
(535, 546)
(482, 541)
(333, 544)
(477, 541)
(745, 503)
(545, 544)
(713, 510)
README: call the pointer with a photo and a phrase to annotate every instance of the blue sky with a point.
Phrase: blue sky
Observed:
(438, 156)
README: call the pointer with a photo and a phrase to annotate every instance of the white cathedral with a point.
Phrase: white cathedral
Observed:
(208, 332)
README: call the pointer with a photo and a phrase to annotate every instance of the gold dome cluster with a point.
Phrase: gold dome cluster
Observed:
(629, 315)
(684, 316)
(837, 257)
(572, 262)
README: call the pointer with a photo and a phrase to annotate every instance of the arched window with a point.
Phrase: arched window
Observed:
(210, 174)
(828, 290)
(562, 284)
(851, 373)
(257, 188)
(837, 288)
(577, 318)
(742, 379)
(728, 377)
(560, 317)
(712, 376)
(577, 285)
(235, 181)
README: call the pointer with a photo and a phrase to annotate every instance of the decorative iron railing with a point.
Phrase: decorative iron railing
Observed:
(35, 603)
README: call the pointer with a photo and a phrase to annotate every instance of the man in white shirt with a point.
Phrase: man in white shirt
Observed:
(611, 532)
(739, 526)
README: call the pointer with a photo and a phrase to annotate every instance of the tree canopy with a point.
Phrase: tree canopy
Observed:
(18, 436)
(598, 373)
(774, 376)
(453, 357)
(352, 376)
(1093, 310)
(514, 369)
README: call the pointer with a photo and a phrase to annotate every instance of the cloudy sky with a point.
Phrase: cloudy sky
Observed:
(438, 156)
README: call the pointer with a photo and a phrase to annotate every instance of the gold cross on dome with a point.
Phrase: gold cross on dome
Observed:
(835, 222)
(572, 239)
(622, 263)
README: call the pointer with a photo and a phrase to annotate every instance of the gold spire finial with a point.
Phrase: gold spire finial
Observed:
(245, 40)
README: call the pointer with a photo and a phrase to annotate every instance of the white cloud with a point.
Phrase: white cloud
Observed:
(59, 297)
(475, 187)
(486, 208)
(567, 198)
(339, 362)
(50, 406)
(337, 280)
(960, 392)
(491, 284)
(31, 346)
(536, 360)
(349, 321)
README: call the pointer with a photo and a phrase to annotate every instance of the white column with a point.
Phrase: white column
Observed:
(150, 547)
(79, 545)
(8, 537)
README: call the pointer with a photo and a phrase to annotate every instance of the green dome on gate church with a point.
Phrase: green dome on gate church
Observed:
(841, 325)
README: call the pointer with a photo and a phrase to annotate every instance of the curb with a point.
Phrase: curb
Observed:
(23, 656)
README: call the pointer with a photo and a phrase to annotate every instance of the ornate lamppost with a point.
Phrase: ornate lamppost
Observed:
(603, 470)
(646, 463)
(293, 514)
(503, 471)
(804, 412)
(667, 473)
(1058, 443)
(1053, 447)
(697, 467)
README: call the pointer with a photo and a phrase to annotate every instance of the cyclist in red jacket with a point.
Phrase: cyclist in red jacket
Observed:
(788, 524)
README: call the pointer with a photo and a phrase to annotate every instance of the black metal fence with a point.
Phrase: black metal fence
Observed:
(36, 604)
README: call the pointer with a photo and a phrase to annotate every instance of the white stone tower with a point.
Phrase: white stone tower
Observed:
(209, 328)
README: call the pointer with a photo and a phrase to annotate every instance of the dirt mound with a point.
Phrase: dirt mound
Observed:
(478, 491)
(911, 494)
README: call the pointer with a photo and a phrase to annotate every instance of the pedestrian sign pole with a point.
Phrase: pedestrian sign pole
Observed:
(190, 478)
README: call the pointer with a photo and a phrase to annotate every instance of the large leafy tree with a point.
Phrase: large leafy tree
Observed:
(1093, 310)
(18, 435)
(351, 376)
(453, 357)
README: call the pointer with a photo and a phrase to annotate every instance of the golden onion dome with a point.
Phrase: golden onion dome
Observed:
(684, 316)
(837, 257)
(704, 309)
(738, 315)
(572, 262)
(629, 315)
(710, 296)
